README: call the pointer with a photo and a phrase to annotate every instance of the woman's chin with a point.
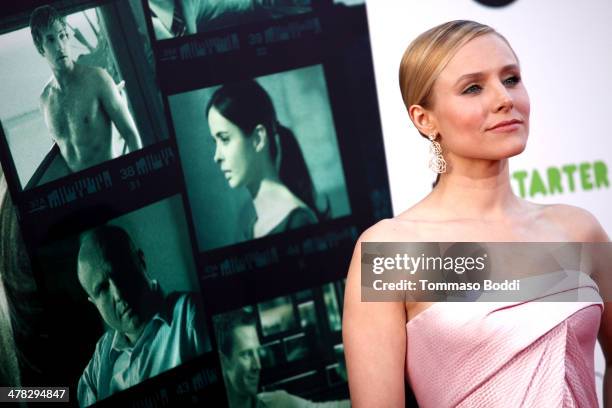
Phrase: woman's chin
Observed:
(516, 148)
(509, 148)
(512, 152)
(233, 183)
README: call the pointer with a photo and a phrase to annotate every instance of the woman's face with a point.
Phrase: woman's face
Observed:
(480, 106)
(234, 152)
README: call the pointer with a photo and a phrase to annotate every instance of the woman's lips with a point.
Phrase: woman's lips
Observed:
(507, 126)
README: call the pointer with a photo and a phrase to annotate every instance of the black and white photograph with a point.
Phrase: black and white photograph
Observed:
(177, 18)
(285, 352)
(260, 156)
(78, 90)
(125, 302)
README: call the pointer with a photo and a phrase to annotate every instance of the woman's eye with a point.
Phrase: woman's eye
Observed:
(513, 80)
(472, 89)
(221, 139)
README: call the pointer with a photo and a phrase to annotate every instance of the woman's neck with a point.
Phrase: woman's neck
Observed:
(273, 202)
(265, 194)
(475, 191)
(264, 176)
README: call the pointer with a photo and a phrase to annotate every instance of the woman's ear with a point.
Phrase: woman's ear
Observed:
(260, 138)
(423, 119)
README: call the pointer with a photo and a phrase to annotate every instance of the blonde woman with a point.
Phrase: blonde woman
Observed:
(461, 84)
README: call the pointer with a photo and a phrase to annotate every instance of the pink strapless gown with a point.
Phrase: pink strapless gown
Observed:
(529, 354)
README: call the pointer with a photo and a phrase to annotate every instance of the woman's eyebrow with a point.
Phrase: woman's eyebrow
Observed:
(471, 76)
(477, 75)
(510, 67)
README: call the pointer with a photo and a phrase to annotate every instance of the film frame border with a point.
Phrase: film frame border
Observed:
(41, 206)
(229, 48)
(368, 204)
(186, 383)
(280, 337)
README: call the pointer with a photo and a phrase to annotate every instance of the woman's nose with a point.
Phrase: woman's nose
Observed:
(217, 157)
(503, 99)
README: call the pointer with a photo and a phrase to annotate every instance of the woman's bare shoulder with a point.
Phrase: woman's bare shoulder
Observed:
(580, 224)
(390, 230)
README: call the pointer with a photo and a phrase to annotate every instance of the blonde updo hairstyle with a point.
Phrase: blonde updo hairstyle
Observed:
(427, 56)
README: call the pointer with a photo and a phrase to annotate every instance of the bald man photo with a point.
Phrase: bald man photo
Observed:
(148, 333)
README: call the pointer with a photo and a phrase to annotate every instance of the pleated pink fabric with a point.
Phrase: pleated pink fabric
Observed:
(527, 354)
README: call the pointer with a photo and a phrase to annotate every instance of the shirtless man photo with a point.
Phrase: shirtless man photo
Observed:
(79, 103)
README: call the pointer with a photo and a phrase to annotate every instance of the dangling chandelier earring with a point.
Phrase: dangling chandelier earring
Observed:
(437, 164)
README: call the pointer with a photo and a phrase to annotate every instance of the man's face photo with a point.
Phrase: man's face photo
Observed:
(114, 285)
(55, 45)
(243, 367)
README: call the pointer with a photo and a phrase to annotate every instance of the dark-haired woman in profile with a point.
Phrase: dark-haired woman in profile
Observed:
(253, 150)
